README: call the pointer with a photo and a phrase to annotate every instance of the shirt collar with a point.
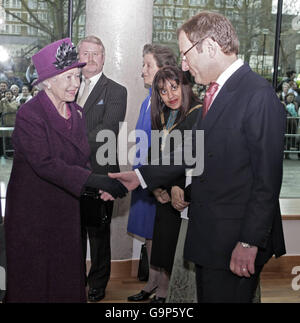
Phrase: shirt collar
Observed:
(94, 79)
(229, 71)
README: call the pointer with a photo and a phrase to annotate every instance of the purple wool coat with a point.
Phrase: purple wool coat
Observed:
(42, 219)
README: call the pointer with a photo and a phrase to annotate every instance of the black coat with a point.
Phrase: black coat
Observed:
(168, 220)
(237, 196)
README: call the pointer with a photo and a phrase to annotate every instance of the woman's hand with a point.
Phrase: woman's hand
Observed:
(161, 195)
(105, 196)
(178, 202)
(103, 183)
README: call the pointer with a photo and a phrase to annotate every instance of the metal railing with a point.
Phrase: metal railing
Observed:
(7, 122)
(292, 135)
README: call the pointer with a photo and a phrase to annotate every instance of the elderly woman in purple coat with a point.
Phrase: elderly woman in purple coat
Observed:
(50, 172)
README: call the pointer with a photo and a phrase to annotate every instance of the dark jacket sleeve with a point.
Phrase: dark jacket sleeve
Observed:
(264, 132)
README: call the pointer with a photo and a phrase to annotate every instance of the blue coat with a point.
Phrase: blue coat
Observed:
(143, 204)
(42, 220)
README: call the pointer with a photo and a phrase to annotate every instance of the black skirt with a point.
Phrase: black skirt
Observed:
(165, 235)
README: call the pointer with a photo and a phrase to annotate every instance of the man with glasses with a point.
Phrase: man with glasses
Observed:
(104, 104)
(234, 216)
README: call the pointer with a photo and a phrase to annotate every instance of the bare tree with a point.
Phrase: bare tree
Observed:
(55, 27)
(290, 36)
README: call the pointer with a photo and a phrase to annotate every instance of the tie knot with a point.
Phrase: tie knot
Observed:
(213, 88)
(87, 82)
(209, 94)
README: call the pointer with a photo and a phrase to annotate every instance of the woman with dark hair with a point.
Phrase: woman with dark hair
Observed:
(174, 107)
(169, 77)
(143, 206)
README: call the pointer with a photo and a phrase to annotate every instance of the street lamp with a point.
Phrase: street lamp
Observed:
(265, 32)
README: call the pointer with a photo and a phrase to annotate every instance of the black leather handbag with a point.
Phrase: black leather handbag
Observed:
(94, 211)
(143, 271)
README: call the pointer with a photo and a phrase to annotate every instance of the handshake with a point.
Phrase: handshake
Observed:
(116, 184)
(121, 183)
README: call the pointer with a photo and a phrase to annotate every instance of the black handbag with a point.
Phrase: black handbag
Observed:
(143, 271)
(93, 210)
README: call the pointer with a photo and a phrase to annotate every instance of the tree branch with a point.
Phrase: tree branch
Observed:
(21, 19)
(31, 14)
(80, 7)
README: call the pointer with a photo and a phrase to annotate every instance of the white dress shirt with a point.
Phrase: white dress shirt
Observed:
(226, 75)
(94, 79)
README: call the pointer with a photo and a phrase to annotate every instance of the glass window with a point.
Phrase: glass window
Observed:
(255, 23)
(32, 4)
(289, 56)
(158, 12)
(178, 13)
(169, 12)
(179, 2)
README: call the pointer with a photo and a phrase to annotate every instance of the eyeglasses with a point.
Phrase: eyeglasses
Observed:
(183, 57)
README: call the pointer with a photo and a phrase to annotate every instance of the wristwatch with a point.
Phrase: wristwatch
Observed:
(245, 245)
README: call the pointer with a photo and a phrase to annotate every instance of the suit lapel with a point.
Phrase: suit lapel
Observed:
(224, 99)
(97, 93)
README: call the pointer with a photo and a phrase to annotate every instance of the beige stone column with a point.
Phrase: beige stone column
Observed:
(124, 26)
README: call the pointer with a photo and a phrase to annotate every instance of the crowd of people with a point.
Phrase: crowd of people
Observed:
(289, 94)
(227, 217)
(12, 97)
(13, 93)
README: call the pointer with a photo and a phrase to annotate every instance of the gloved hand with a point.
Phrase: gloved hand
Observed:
(106, 184)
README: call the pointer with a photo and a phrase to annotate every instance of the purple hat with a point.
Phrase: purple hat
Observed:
(55, 59)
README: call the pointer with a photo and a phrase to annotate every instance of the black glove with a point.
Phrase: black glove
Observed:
(106, 184)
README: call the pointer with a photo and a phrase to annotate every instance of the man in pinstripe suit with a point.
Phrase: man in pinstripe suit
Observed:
(104, 105)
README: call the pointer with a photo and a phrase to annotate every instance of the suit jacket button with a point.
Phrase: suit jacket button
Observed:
(209, 154)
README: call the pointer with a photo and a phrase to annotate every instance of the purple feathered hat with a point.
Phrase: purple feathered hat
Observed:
(54, 59)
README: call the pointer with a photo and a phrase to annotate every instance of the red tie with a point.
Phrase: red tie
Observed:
(212, 89)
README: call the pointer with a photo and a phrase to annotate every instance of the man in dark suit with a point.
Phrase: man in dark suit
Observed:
(104, 104)
(234, 216)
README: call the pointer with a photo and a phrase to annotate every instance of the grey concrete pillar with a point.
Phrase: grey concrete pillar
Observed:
(124, 26)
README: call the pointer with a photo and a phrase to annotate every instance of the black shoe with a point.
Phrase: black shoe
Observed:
(158, 300)
(96, 294)
(141, 296)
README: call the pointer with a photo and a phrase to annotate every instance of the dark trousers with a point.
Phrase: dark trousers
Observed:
(222, 286)
(97, 231)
